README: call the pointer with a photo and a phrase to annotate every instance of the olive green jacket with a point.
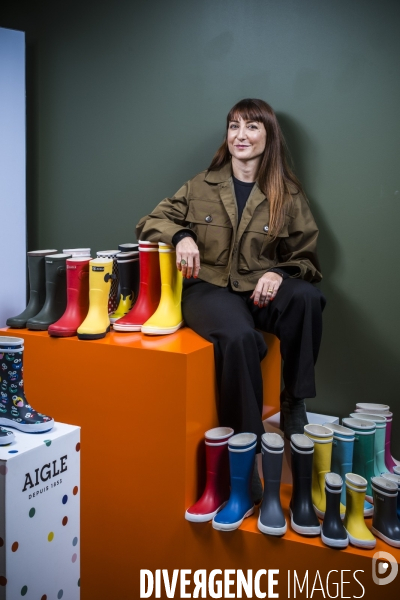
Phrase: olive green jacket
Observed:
(242, 253)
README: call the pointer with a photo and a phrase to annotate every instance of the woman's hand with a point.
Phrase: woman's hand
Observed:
(266, 288)
(188, 257)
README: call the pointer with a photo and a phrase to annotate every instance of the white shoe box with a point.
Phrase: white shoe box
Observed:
(271, 425)
(39, 515)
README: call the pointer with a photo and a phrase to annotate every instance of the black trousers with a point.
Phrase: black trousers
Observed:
(230, 321)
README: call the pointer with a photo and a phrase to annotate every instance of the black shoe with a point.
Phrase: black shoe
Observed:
(293, 415)
(303, 518)
(256, 485)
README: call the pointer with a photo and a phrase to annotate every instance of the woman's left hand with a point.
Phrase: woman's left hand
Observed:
(266, 288)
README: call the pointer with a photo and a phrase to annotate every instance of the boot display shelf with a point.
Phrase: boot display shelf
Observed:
(144, 404)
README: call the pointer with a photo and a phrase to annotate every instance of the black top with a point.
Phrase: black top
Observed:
(242, 193)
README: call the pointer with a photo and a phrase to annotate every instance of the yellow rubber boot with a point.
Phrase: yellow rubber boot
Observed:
(97, 322)
(168, 316)
(358, 532)
(322, 437)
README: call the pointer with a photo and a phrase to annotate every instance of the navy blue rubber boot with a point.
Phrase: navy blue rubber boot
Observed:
(333, 533)
(385, 523)
(242, 451)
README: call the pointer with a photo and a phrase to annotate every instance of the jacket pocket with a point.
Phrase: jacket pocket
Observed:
(258, 251)
(211, 223)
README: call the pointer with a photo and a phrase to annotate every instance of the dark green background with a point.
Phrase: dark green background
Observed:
(127, 100)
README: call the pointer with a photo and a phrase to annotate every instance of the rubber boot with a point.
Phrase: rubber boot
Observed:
(168, 316)
(395, 478)
(78, 252)
(293, 415)
(363, 455)
(390, 463)
(322, 438)
(128, 267)
(333, 533)
(371, 407)
(302, 514)
(113, 297)
(385, 523)
(56, 293)
(379, 446)
(37, 288)
(6, 437)
(128, 247)
(14, 408)
(271, 520)
(216, 492)
(77, 298)
(342, 460)
(149, 290)
(242, 451)
(97, 324)
(358, 532)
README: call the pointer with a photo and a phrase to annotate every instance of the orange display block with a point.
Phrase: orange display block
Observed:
(143, 404)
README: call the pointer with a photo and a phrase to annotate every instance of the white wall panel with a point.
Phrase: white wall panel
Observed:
(12, 174)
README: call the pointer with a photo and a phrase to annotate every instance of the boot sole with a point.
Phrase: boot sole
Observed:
(121, 327)
(278, 531)
(34, 428)
(232, 526)
(93, 336)
(160, 330)
(62, 333)
(6, 441)
(361, 543)
(193, 518)
(390, 541)
(334, 543)
(304, 530)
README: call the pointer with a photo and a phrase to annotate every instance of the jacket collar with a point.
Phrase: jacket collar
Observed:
(221, 175)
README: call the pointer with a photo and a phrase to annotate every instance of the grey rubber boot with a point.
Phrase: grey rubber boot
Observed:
(56, 293)
(271, 519)
(37, 288)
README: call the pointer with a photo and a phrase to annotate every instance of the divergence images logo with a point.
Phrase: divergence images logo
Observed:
(384, 568)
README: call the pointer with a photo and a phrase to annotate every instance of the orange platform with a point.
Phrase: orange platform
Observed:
(143, 404)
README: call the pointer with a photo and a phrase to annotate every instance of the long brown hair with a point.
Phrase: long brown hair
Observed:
(274, 175)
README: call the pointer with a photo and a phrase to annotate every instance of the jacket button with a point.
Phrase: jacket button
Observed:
(265, 228)
(236, 283)
(208, 219)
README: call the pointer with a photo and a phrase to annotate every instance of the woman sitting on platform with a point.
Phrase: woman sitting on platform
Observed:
(246, 245)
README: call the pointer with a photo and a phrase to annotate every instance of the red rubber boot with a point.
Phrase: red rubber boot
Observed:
(149, 290)
(216, 493)
(77, 298)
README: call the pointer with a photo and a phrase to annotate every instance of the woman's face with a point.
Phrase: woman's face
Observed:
(246, 139)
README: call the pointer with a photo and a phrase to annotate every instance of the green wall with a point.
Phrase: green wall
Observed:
(127, 100)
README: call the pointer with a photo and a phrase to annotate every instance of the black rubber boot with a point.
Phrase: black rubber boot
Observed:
(303, 518)
(14, 409)
(385, 523)
(333, 533)
(37, 288)
(128, 267)
(256, 485)
(293, 415)
(271, 519)
(56, 293)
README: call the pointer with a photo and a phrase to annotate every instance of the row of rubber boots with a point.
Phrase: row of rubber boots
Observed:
(15, 411)
(227, 502)
(72, 294)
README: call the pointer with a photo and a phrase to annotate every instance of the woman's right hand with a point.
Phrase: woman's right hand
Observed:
(188, 252)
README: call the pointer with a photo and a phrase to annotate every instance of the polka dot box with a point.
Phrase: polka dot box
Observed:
(39, 515)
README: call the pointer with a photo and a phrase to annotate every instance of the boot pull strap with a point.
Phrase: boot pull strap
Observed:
(109, 276)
